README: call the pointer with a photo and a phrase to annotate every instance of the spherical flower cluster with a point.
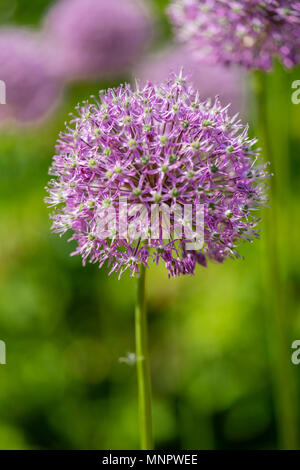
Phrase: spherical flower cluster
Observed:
(30, 87)
(248, 32)
(209, 79)
(93, 38)
(156, 145)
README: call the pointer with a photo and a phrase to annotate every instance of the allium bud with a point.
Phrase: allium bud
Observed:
(155, 160)
(96, 38)
(31, 88)
(247, 32)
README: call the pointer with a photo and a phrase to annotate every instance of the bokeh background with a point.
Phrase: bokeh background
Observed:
(66, 326)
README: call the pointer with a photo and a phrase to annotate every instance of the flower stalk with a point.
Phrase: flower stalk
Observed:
(276, 301)
(142, 364)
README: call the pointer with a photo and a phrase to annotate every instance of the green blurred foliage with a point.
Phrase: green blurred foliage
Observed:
(66, 326)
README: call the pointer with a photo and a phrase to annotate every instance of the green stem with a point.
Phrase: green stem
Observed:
(143, 369)
(276, 302)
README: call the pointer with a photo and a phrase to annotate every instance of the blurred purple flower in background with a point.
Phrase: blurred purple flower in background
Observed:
(156, 145)
(249, 32)
(31, 88)
(96, 38)
(210, 80)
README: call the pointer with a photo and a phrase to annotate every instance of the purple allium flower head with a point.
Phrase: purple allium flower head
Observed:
(248, 32)
(210, 80)
(31, 88)
(93, 38)
(156, 144)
